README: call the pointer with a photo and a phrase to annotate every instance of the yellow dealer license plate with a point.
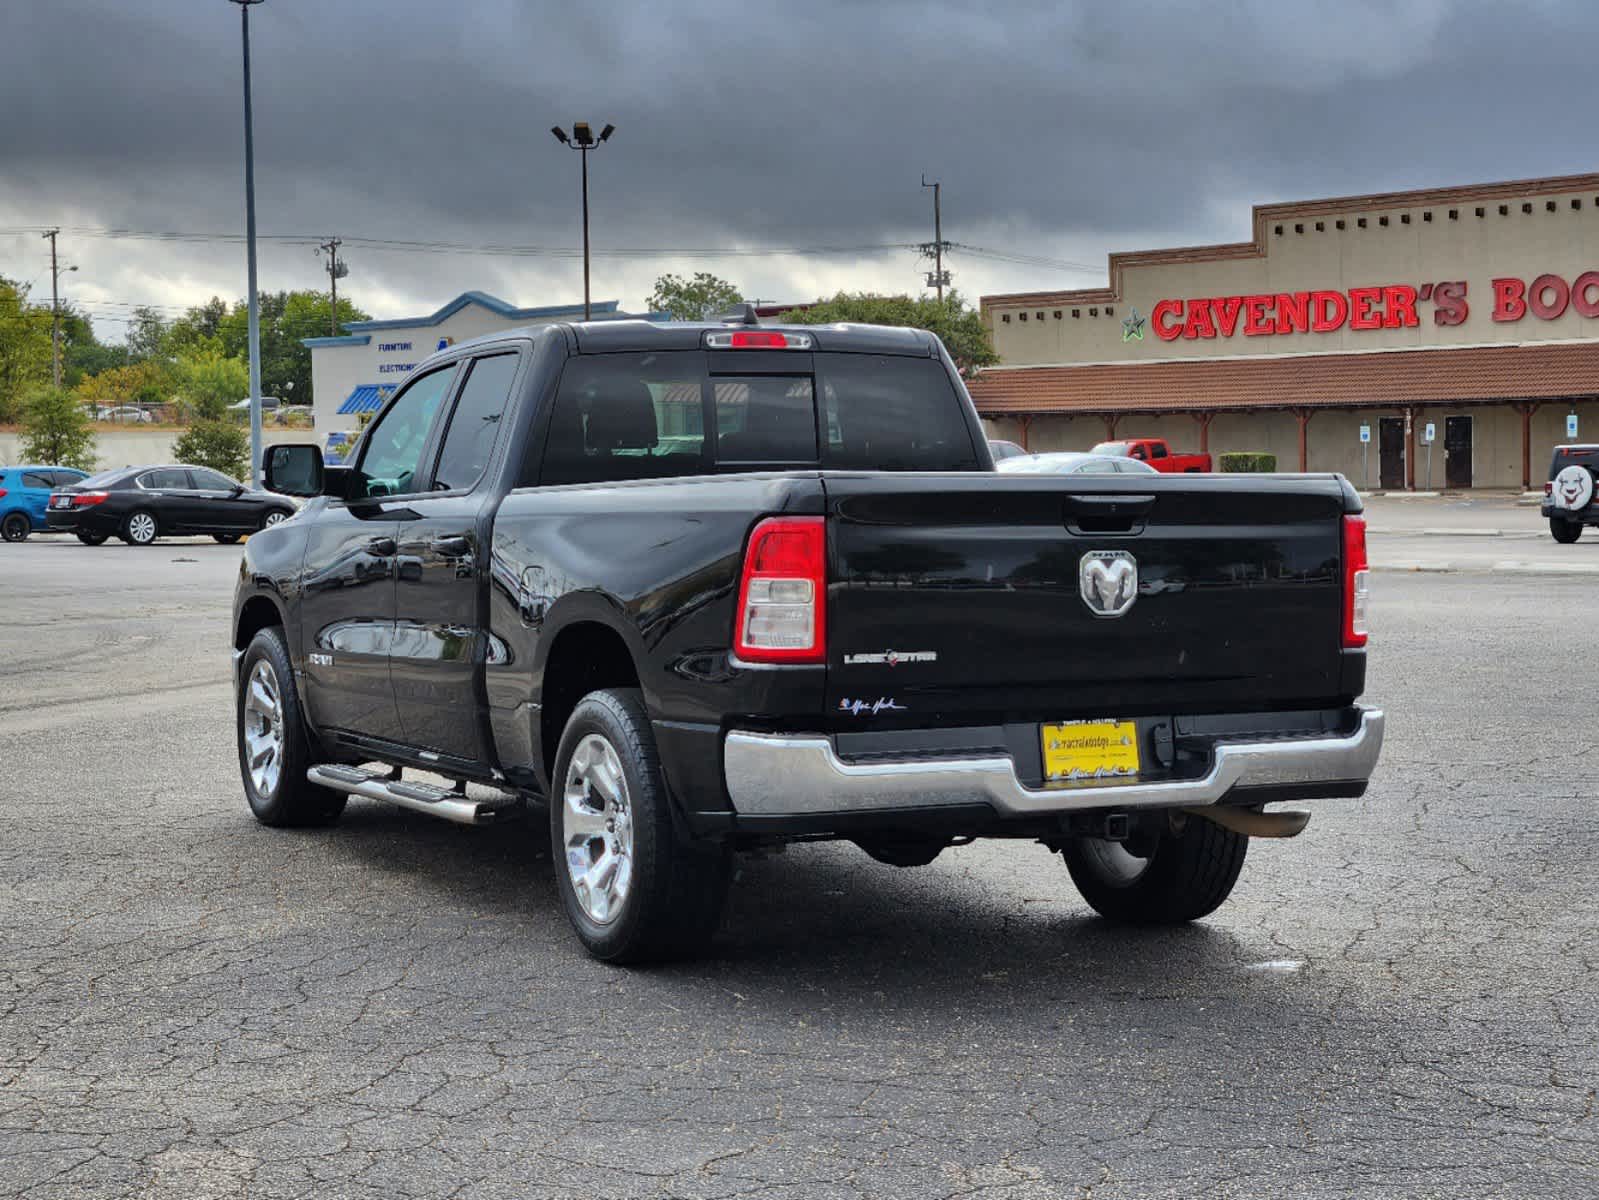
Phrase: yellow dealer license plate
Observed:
(1078, 750)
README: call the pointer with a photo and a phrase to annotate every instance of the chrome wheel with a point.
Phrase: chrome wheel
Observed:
(141, 528)
(274, 518)
(1113, 862)
(597, 829)
(263, 728)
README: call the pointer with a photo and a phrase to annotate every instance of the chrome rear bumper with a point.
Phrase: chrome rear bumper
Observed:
(797, 774)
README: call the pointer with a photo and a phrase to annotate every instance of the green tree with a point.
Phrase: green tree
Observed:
(147, 334)
(82, 353)
(957, 325)
(197, 329)
(220, 445)
(286, 317)
(209, 381)
(55, 430)
(24, 348)
(696, 299)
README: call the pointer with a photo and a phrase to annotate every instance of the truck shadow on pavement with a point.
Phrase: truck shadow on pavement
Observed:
(998, 917)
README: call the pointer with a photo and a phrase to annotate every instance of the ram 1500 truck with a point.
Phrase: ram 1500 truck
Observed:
(700, 588)
(1157, 454)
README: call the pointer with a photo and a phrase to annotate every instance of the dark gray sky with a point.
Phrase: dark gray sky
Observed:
(1061, 130)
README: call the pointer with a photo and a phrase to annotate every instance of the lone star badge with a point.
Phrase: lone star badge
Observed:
(1133, 327)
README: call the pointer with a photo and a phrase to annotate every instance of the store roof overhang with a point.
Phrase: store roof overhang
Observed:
(1374, 379)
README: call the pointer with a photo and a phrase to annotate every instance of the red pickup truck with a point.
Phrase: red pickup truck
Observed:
(1157, 454)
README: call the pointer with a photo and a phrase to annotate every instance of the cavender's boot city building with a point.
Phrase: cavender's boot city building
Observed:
(1472, 312)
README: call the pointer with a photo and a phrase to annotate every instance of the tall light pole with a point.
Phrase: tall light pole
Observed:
(249, 235)
(583, 140)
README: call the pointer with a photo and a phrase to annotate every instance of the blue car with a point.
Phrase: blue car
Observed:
(24, 495)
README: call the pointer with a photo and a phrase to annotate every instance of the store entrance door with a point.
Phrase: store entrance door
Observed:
(1391, 468)
(1457, 452)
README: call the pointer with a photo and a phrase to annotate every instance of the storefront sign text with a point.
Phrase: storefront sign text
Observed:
(1390, 306)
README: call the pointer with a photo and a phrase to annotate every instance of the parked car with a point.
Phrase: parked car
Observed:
(1001, 450)
(25, 497)
(1065, 463)
(140, 504)
(1157, 454)
(828, 616)
(1568, 496)
(127, 414)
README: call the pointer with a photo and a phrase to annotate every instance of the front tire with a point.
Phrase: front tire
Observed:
(1565, 531)
(1181, 872)
(141, 528)
(274, 752)
(633, 890)
(226, 539)
(16, 527)
(92, 539)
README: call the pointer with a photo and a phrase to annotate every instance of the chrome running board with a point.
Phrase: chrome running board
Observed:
(418, 797)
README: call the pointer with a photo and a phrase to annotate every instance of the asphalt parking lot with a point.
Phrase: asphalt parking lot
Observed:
(1402, 1002)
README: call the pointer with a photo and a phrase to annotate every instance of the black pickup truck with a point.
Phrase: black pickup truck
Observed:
(709, 587)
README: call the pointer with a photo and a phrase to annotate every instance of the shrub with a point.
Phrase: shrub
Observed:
(55, 430)
(220, 445)
(1248, 462)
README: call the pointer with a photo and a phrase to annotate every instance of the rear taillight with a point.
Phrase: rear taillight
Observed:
(2, 493)
(89, 499)
(1357, 581)
(758, 339)
(1548, 488)
(782, 594)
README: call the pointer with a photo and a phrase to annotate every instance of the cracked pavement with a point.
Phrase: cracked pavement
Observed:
(1400, 1003)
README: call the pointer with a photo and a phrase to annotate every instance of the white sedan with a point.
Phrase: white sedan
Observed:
(1067, 463)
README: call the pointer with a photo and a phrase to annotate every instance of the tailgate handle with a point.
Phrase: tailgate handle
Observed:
(1109, 504)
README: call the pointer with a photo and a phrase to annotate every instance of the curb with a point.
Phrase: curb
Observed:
(1576, 570)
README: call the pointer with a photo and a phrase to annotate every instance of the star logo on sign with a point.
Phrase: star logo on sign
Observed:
(1133, 327)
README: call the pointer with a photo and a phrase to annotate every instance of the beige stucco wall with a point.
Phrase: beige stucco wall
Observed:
(1333, 438)
(1470, 248)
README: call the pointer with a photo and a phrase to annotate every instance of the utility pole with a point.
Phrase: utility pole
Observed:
(254, 327)
(939, 278)
(337, 270)
(55, 311)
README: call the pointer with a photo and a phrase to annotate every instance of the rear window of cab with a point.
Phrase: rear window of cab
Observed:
(662, 414)
(1566, 456)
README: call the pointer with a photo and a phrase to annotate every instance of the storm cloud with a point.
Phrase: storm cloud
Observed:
(1060, 131)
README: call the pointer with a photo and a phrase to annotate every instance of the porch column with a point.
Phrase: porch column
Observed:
(1111, 421)
(1204, 419)
(1526, 408)
(1410, 449)
(1304, 415)
(1026, 420)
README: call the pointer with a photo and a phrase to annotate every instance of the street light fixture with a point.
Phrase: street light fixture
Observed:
(583, 139)
(249, 225)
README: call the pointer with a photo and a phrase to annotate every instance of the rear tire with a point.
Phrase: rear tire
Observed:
(227, 539)
(274, 752)
(16, 527)
(1565, 531)
(1189, 870)
(141, 528)
(633, 890)
(92, 539)
(276, 517)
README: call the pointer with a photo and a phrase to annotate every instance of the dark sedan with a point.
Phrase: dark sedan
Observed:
(140, 504)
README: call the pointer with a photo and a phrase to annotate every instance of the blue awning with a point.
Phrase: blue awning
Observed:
(367, 397)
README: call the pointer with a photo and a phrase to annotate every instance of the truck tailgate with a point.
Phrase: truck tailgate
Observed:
(1237, 606)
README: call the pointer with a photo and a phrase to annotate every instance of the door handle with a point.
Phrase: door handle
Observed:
(383, 547)
(454, 546)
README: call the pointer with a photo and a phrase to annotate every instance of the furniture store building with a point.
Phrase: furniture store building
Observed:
(355, 373)
(1341, 336)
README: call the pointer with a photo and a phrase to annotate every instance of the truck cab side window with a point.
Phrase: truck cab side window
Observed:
(392, 448)
(1157, 452)
(475, 423)
(625, 416)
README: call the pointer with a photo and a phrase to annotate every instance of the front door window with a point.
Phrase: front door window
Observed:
(392, 448)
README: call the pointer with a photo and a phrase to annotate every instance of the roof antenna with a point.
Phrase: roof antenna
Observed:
(740, 314)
